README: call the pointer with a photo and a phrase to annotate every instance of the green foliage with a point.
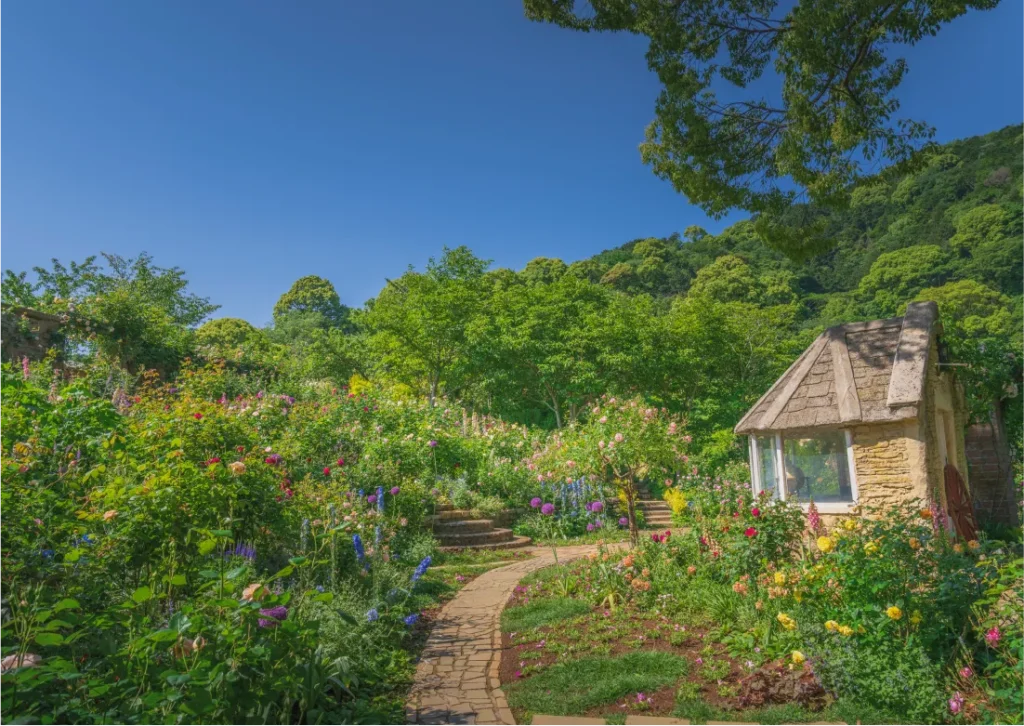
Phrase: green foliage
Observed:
(839, 70)
(544, 611)
(316, 299)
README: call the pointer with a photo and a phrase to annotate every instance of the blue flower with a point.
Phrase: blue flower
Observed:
(380, 499)
(421, 569)
(372, 615)
(48, 554)
(357, 543)
(411, 619)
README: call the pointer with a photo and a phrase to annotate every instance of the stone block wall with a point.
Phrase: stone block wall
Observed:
(27, 333)
(992, 489)
(888, 459)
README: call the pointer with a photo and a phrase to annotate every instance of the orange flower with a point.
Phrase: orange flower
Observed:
(254, 591)
(109, 515)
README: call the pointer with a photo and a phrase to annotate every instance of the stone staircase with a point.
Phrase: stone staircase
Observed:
(455, 530)
(657, 513)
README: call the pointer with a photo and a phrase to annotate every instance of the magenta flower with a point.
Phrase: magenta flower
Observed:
(536, 502)
(596, 507)
(966, 672)
(394, 491)
(432, 444)
(956, 703)
(993, 636)
(548, 508)
(372, 499)
(623, 522)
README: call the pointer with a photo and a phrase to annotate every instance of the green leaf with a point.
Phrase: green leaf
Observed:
(49, 638)
(207, 546)
(324, 597)
(177, 580)
(67, 603)
(298, 560)
(226, 533)
(347, 618)
(163, 636)
(142, 594)
(283, 572)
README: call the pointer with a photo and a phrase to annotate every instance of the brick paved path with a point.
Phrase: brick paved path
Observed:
(457, 677)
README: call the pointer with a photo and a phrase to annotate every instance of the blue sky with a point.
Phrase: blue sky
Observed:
(255, 142)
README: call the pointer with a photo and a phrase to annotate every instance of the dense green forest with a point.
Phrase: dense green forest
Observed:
(698, 323)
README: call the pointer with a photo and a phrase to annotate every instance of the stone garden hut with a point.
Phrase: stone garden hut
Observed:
(869, 415)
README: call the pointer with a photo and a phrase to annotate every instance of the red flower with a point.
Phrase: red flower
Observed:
(755, 512)
(341, 462)
(240, 449)
(197, 415)
(750, 532)
(668, 533)
(327, 471)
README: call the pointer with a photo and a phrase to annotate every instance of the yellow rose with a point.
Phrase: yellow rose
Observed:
(894, 612)
(870, 548)
(237, 467)
(780, 578)
(798, 657)
(845, 630)
(825, 544)
(831, 626)
(915, 543)
(915, 617)
(787, 622)
(850, 524)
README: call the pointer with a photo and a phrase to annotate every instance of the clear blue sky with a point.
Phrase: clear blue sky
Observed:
(255, 142)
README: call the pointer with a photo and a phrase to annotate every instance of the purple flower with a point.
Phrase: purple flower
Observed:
(273, 616)
(623, 522)
(411, 619)
(548, 508)
(432, 444)
(394, 491)
(536, 502)
(372, 615)
(372, 499)
(956, 703)
(596, 507)
(590, 526)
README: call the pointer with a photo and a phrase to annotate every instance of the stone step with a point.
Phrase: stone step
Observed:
(474, 538)
(461, 526)
(513, 544)
(454, 514)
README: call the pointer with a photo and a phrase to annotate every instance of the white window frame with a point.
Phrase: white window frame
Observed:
(780, 474)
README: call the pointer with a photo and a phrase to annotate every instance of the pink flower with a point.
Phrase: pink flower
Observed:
(197, 415)
(956, 703)
(755, 512)
(966, 672)
(619, 438)
(993, 636)
(327, 471)
(750, 532)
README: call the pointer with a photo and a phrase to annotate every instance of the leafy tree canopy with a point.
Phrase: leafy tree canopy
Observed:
(830, 117)
(316, 296)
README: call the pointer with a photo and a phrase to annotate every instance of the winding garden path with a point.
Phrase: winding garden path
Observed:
(457, 677)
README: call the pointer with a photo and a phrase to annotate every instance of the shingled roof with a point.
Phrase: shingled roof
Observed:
(851, 374)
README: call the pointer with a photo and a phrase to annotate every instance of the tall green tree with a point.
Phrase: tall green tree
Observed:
(830, 114)
(316, 299)
(418, 324)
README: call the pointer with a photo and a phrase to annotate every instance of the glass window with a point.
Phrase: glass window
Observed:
(767, 471)
(817, 468)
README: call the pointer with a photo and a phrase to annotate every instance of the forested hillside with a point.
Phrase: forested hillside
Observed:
(700, 324)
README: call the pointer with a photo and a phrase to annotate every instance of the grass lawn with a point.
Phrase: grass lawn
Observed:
(563, 655)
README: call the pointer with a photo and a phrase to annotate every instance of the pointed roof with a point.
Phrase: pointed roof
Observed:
(854, 373)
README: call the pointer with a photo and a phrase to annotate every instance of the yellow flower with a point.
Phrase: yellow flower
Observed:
(845, 630)
(787, 622)
(974, 545)
(850, 524)
(825, 544)
(831, 626)
(958, 548)
(109, 514)
(870, 548)
(237, 467)
(894, 612)
(780, 578)
(915, 617)
(798, 596)
(926, 513)
(798, 657)
(915, 543)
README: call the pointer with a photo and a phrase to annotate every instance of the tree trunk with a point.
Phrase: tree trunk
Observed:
(432, 396)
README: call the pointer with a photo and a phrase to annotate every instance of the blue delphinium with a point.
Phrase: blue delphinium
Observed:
(421, 569)
(411, 619)
(380, 499)
(377, 534)
(357, 543)
(372, 615)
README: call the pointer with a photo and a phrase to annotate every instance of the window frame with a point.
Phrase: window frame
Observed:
(780, 473)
